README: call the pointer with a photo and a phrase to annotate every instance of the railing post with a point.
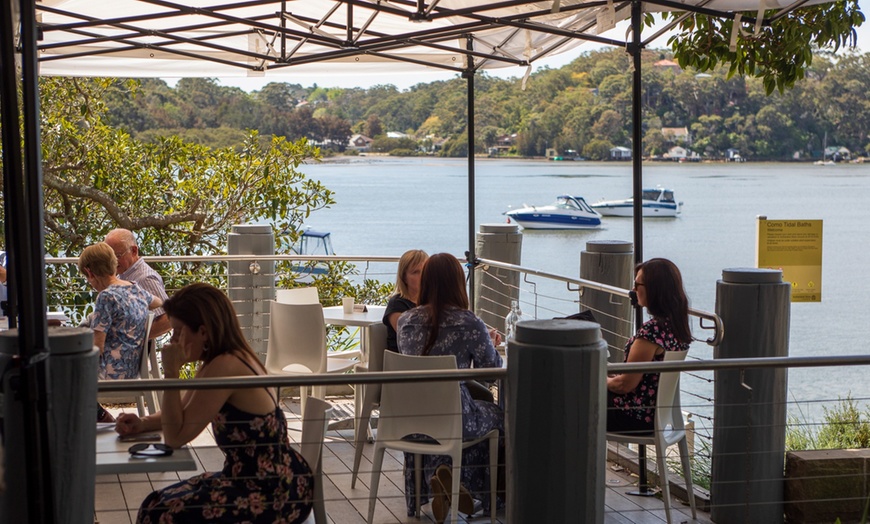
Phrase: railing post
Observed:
(495, 288)
(609, 262)
(556, 391)
(73, 435)
(251, 285)
(750, 405)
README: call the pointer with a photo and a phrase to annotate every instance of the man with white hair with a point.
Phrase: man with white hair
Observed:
(135, 269)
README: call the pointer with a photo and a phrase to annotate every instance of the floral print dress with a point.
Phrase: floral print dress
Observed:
(465, 336)
(263, 480)
(120, 312)
(639, 404)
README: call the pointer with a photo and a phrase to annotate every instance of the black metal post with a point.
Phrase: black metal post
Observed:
(469, 79)
(26, 243)
(635, 49)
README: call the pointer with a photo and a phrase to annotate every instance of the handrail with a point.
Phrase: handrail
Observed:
(237, 258)
(717, 327)
(489, 374)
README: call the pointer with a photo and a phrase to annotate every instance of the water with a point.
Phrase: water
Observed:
(386, 206)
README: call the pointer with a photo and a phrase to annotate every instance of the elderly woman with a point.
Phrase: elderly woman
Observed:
(407, 293)
(263, 479)
(119, 316)
(631, 397)
(443, 325)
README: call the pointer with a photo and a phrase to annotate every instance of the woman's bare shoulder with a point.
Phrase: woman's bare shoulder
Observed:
(227, 365)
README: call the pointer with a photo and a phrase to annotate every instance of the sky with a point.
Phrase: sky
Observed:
(406, 80)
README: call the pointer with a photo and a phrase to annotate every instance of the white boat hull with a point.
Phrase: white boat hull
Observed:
(544, 221)
(622, 209)
(567, 213)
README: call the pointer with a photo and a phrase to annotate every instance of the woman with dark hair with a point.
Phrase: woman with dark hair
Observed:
(407, 294)
(443, 325)
(631, 397)
(263, 479)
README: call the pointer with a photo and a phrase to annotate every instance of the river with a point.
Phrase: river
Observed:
(387, 205)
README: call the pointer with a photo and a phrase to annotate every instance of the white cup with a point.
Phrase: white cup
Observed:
(347, 305)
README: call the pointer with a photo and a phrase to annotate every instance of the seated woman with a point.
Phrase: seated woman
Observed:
(263, 479)
(443, 325)
(119, 316)
(631, 397)
(407, 292)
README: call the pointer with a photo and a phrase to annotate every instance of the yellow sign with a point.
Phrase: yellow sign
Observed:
(795, 247)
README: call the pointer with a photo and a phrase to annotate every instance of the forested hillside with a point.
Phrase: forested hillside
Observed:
(584, 106)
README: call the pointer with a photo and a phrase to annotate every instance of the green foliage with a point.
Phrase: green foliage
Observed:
(779, 53)
(844, 427)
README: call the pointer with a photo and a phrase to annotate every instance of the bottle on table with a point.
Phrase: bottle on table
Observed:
(510, 321)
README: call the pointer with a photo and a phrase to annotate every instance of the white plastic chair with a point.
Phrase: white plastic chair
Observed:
(298, 295)
(139, 397)
(315, 419)
(297, 345)
(669, 430)
(367, 396)
(428, 408)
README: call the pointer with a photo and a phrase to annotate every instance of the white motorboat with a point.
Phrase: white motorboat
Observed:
(658, 202)
(568, 212)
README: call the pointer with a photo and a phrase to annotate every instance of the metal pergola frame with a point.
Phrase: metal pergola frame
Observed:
(468, 37)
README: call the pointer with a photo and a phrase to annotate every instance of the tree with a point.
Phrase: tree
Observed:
(183, 197)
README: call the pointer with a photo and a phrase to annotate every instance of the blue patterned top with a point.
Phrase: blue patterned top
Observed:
(120, 312)
(640, 402)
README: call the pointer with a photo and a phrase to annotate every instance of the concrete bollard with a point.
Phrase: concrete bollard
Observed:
(495, 288)
(555, 424)
(73, 410)
(609, 262)
(251, 285)
(750, 406)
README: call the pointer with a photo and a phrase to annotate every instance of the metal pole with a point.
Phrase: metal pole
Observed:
(469, 79)
(27, 246)
(635, 48)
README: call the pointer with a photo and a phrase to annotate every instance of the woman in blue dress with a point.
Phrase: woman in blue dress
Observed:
(263, 480)
(443, 325)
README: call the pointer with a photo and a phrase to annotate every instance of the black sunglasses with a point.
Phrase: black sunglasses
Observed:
(145, 450)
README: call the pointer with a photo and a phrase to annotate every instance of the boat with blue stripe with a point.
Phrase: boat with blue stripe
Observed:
(657, 202)
(568, 212)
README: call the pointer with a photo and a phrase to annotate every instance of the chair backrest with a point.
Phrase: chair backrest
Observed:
(314, 423)
(297, 335)
(298, 295)
(428, 408)
(376, 342)
(668, 412)
(143, 355)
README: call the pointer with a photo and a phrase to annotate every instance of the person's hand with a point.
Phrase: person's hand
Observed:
(495, 336)
(173, 358)
(128, 424)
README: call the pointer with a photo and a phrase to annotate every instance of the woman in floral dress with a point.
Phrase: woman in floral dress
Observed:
(443, 325)
(263, 479)
(631, 397)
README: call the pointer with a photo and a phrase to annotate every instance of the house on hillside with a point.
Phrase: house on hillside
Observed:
(620, 153)
(677, 135)
(360, 143)
(681, 154)
(397, 134)
(669, 65)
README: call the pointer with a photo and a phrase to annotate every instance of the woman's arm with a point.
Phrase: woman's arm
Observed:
(484, 354)
(393, 319)
(641, 350)
(182, 420)
(100, 340)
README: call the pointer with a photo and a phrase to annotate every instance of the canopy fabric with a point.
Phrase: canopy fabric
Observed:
(198, 38)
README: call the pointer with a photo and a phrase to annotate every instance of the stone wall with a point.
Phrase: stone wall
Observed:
(826, 485)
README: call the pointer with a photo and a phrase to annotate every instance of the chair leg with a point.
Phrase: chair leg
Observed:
(418, 474)
(360, 435)
(493, 475)
(661, 451)
(377, 460)
(686, 460)
(319, 503)
(303, 397)
(140, 404)
(457, 482)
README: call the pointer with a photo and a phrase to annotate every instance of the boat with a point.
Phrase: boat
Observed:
(658, 202)
(567, 212)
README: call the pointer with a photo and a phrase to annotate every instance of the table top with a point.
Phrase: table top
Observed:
(113, 456)
(335, 315)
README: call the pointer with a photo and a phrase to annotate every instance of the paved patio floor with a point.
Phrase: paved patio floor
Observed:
(118, 496)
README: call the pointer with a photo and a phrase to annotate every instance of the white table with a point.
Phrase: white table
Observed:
(335, 315)
(113, 457)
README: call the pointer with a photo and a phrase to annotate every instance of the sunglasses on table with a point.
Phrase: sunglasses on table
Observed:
(145, 450)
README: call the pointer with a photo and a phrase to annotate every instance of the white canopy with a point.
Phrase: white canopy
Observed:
(157, 38)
